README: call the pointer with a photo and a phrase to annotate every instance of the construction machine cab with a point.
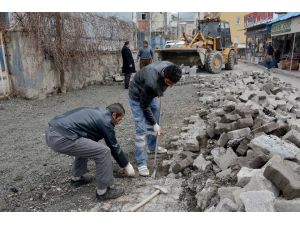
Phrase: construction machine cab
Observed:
(215, 28)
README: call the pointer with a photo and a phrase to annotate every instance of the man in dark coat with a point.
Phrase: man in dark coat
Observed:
(128, 63)
(269, 56)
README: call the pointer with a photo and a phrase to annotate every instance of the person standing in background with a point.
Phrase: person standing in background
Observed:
(145, 55)
(269, 56)
(128, 63)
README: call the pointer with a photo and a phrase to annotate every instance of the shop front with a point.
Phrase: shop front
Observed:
(286, 42)
(256, 42)
(257, 35)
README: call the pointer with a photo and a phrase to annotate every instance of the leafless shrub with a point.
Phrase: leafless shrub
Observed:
(67, 36)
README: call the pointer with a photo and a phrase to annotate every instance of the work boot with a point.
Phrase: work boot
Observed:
(160, 150)
(82, 181)
(143, 171)
(111, 193)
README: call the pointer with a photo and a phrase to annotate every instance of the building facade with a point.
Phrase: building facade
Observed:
(152, 27)
(183, 22)
(257, 34)
(285, 33)
(236, 22)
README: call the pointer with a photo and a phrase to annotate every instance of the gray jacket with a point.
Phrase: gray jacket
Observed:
(92, 123)
(147, 84)
(145, 53)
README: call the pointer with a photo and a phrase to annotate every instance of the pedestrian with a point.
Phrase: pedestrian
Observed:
(269, 56)
(77, 132)
(145, 55)
(128, 63)
(277, 55)
(145, 88)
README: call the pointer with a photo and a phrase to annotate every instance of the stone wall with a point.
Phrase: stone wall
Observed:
(35, 76)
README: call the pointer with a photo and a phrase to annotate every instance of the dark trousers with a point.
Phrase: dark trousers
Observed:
(127, 80)
(144, 62)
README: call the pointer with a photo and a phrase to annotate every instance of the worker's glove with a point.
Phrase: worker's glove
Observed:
(157, 129)
(129, 171)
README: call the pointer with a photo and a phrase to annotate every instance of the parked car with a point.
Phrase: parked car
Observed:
(172, 44)
(169, 44)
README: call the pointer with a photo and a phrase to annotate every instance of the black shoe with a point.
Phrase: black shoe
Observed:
(111, 193)
(82, 181)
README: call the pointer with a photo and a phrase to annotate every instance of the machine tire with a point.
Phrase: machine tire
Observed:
(214, 62)
(231, 61)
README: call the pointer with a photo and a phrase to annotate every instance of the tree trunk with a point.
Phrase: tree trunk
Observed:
(62, 88)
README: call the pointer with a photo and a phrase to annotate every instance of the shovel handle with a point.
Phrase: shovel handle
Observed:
(146, 200)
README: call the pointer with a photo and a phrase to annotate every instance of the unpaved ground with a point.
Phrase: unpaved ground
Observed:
(33, 178)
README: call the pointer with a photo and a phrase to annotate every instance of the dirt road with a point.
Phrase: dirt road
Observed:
(33, 178)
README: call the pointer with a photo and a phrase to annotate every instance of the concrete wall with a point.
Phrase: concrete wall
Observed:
(34, 76)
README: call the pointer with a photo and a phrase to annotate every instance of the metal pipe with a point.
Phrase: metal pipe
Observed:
(5, 66)
(3, 51)
(177, 25)
(2, 80)
(293, 52)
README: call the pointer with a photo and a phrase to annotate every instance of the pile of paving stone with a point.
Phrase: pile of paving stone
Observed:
(241, 152)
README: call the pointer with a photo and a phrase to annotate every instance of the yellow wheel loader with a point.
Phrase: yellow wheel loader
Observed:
(211, 48)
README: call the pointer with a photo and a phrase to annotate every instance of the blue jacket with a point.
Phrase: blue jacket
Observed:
(145, 53)
(92, 123)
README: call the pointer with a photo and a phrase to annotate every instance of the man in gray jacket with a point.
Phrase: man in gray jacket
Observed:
(148, 84)
(145, 55)
(77, 132)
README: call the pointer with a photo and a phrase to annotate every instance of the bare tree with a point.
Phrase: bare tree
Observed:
(64, 37)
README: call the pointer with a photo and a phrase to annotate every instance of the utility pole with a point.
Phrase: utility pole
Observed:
(134, 21)
(177, 25)
(165, 24)
(150, 30)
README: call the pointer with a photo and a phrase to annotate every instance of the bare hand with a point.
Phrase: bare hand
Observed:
(160, 132)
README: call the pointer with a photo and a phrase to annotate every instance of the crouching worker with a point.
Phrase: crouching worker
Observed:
(77, 132)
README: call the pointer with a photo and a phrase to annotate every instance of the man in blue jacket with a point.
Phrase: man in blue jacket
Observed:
(148, 84)
(77, 132)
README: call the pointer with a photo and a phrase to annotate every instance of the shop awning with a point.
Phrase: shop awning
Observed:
(285, 17)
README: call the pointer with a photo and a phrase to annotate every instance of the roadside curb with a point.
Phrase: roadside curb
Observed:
(273, 70)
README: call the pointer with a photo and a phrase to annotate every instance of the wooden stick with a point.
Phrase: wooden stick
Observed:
(146, 200)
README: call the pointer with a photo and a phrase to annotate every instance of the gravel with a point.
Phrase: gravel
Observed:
(34, 178)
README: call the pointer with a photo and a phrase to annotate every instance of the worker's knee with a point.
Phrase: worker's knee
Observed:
(140, 126)
(140, 140)
(105, 150)
(102, 152)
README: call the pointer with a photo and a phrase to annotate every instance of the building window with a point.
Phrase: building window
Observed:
(144, 16)
(238, 20)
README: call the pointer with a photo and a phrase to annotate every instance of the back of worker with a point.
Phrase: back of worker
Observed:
(85, 122)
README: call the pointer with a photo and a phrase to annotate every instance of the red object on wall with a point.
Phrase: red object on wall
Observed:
(143, 26)
(256, 18)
